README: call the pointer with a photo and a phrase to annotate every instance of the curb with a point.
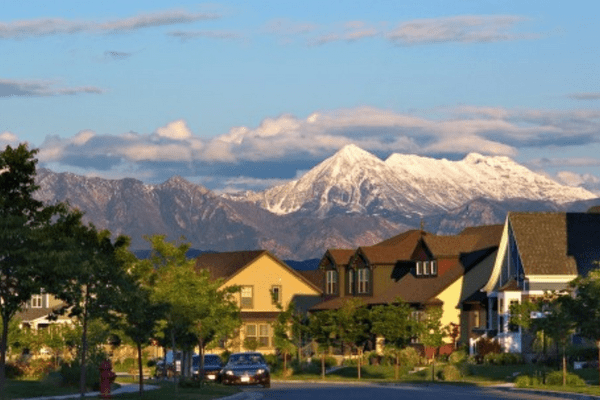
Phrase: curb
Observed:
(550, 393)
(125, 388)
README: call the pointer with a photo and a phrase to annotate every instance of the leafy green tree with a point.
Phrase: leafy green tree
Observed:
(394, 323)
(587, 306)
(26, 236)
(322, 327)
(432, 332)
(553, 314)
(197, 305)
(92, 278)
(283, 328)
(353, 322)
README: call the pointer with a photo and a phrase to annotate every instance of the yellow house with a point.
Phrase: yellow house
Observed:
(265, 281)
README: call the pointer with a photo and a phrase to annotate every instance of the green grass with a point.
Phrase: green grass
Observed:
(15, 389)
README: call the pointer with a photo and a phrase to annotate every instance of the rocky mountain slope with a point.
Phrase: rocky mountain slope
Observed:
(351, 199)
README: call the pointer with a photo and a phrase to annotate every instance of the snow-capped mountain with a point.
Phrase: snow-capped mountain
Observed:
(405, 186)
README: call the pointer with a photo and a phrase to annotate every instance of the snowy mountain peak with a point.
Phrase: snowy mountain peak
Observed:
(353, 152)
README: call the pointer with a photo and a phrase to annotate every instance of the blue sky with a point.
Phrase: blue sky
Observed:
(235, 95)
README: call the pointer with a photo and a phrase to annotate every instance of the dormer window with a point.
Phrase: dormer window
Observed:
(351, 282)
(331, 281)
(426, 268)
(364, 278)
(434, 270)
(419, 269)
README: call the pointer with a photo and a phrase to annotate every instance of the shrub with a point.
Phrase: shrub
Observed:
(38, 367)
(451, 373)
(409, 357)
(70, 375)
(14, 370)
(555, 379)
(527, 381)
(190, 383)
(486, 346)
(457, 357)
(273, 361)
(329, 362)
(503, 359)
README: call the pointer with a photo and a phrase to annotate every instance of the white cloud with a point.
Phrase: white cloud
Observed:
(13, 88)
(460, 29)
(187, 35)
(59, 26)
(7, 137)
(176, 130)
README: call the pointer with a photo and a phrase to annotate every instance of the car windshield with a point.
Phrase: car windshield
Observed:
(246, 359)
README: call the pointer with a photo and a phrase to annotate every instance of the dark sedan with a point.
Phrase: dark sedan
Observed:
(246, 369)
(212, 366)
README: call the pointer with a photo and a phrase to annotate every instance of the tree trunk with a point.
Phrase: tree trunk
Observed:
(598, 344)
(433, 368)
(140, 369)
(201, 365)
(174, 360)
(564, 366)
(359, 360)
(323, 366)
(285, 363)
(3, 346)
(84, 344)
(397, 367)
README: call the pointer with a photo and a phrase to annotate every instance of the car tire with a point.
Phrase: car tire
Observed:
(267, 385)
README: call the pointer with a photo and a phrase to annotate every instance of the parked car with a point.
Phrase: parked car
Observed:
(212, 367)
(246, 369)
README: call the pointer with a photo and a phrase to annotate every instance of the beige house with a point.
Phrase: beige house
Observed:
(265, 281)
(35, 314)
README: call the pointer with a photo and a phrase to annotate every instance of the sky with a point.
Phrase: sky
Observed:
(239, 95)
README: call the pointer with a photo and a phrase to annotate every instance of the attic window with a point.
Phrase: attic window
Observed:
(434, 269)
(36, 301)
(331, 282)
(426, 268)
(419, 270)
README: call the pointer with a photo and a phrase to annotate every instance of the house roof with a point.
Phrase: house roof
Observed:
(542, 243)
(227, 264)
(421, 290)
(340, 256)
(31, 314)
(315, 276)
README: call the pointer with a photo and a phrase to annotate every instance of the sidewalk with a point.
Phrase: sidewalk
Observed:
(510, 387)
(125, 388)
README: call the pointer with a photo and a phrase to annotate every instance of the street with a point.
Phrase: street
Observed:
(317, 391)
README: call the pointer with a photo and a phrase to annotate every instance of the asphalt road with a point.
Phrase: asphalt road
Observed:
(316, 391)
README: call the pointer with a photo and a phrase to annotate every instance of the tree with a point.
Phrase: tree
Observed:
(92, 277)
(395, 324)
(432, 333)
(353, 325)
(26, 236)
(587, 306)
(322, 328)
(197, 305)
(286, 331)
(553, 314)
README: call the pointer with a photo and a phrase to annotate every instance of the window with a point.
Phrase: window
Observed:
(350, 281)
(247, 297)
(263, 335)
(426, 268)
(433, 267)
(419, 269)
(36, 301)
(331, 282)
(276, 294)
(363, 280)
(251, 332)
(476, 321)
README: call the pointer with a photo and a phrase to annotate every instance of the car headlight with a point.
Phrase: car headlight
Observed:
(228, 372)
(260, 371)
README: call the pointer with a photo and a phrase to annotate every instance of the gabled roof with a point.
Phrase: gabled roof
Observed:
(227, 264)
(315, 276)
(542, 243)
(31, 314)
(340, 257)
(394, 240)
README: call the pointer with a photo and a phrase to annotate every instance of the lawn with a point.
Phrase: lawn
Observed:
(22, 389)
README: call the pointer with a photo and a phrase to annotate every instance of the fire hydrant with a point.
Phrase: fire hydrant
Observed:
(107, 376)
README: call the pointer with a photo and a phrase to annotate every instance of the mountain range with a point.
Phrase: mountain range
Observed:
(352, 198)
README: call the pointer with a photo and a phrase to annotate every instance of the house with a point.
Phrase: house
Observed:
(40, 312)
(418, 267)
(265, 281)
(538, 252)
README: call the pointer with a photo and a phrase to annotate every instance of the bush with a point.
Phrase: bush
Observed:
(71, 372)
(451, 373)
(38, 367)
(409, 357)
(14, 370)
(273, 361)
(503, 359)
(523, 381)
(555, 378)
(190, 383)
(457, 357)
(329, 362)
(487, 346)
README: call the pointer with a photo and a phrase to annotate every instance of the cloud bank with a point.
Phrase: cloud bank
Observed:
(11, 88)
(252, 157)
(58, 26)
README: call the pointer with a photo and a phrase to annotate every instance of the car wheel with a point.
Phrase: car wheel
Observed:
(267, 385)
